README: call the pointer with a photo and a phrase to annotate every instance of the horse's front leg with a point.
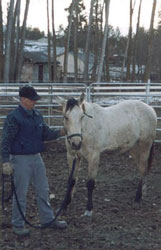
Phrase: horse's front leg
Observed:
(73, 180)
(93, 162)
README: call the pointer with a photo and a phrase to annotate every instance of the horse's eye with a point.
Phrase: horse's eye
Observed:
(66, 118)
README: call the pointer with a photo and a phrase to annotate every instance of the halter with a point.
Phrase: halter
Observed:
(72, 135)
(77, 134)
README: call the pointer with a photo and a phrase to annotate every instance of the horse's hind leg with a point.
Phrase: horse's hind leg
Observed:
(93, 163)
(143, 157)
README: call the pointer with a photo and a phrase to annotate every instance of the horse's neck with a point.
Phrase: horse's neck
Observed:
(87, 107)
(91, 108)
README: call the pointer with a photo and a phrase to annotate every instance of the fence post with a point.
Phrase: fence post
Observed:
(50, 91)
(148, 91)
(88, 93)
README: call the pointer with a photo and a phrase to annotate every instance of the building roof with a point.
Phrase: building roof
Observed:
(41, 46)
(35, 57)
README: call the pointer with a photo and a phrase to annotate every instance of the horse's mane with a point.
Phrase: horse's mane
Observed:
(71, 103)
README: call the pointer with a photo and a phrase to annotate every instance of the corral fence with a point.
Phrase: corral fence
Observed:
(105, 94)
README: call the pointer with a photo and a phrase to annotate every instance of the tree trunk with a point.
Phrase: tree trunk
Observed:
(127, 55)
(8, 42)
(67, 42)
(135, 42)
(76, 44)
(124, 59)
(96, 43)
(150, 44)
(54, 45)
(15, 38)
(86, 63)
(104, 43)
(107, 73)
(1, 43)
(23, 32)
(129, 52)
(49, 39)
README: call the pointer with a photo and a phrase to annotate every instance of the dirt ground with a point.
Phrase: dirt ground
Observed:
(116, 223)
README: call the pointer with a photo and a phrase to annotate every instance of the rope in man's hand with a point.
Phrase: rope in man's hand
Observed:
(7, 168)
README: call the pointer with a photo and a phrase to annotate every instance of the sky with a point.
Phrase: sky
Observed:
(118, 17)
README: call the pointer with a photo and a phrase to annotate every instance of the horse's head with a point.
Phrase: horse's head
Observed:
(73, 111)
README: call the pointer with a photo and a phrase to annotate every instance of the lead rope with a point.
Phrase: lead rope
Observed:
(60, 209)
(3, 198)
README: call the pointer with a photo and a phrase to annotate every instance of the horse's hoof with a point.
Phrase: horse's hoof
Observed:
(144, 190)
(136, 205)
(88, 213)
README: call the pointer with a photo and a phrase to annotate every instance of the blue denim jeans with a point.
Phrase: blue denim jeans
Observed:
(30, 169)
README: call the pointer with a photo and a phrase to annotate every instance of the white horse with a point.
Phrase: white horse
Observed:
(92, 129)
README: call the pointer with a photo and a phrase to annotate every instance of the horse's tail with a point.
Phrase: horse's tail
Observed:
(150, 159)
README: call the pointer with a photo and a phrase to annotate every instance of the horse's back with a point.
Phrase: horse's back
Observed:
(120, 126)
(138, 115)
(135, 108)
(144, 113)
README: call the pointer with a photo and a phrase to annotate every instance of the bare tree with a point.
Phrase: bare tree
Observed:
(98, 36)
(104, 42)
(86, 63)
(67, 42)
(129, 51)
(20, 53)
(150, 43)
(54, 45)
(1, 43)
(76, 43)
(15, 38)
(49, 39)
(135, 42)
(127, 55)
(8, 41)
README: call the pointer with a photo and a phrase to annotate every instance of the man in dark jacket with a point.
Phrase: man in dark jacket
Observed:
(23, 137)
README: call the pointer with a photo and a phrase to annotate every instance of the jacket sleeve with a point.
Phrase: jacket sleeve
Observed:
(50, 134)
(10, 130)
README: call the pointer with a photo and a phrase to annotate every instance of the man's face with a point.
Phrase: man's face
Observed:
(27, 103)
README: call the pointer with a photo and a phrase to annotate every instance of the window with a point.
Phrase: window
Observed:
(40, 73)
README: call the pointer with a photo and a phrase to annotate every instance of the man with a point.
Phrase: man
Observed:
(23, 137)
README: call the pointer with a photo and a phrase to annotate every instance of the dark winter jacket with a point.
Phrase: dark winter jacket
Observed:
(24, 132)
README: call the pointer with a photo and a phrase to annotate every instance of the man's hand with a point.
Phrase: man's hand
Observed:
(7, 169)
(63, 132)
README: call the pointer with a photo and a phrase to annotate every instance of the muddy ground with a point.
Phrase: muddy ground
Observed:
(116, 223)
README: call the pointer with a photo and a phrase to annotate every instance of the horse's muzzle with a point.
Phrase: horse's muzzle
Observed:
(76, 146)
(75, 143)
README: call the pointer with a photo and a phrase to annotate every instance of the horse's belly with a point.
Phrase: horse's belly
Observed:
(121, 146)
(120, 142)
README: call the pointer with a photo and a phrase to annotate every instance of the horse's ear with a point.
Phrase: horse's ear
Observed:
(81, 98)
(83, 108)
(61, 101)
